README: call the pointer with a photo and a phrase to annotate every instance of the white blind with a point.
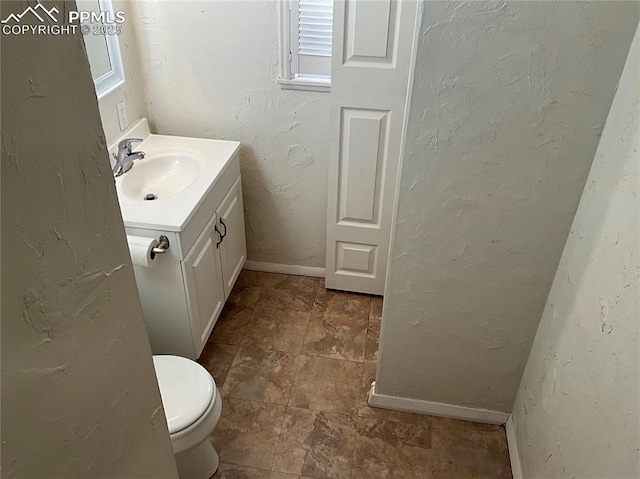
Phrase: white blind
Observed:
(315, 27)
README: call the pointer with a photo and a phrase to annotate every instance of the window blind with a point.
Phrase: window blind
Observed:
(315, 26)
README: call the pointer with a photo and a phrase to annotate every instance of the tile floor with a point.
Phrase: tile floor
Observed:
(294, 363)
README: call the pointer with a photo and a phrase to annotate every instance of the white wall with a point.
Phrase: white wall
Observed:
(210, 71)
(132, 92)
(577, 413)
(507, 108)
(79, 393)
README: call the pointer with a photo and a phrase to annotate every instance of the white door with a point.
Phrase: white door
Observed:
(372, 55)
(203, 282)
(233, 248)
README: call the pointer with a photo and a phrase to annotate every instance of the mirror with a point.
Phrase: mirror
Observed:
(102, 47)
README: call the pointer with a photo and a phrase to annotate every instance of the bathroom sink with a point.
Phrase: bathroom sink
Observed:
(159, 177)
(177, 175)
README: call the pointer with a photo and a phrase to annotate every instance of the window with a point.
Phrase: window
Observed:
(103, 50)
(306, 27)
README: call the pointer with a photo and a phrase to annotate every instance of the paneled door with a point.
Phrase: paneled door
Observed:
(203, 284)
(371, 66)
(233, 245)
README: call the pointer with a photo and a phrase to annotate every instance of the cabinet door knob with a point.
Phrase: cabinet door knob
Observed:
(219, 235)
(225, 229)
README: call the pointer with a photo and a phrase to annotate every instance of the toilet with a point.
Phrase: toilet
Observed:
(192, 405)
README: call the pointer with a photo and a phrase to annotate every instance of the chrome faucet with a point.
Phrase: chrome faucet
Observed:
(125, 157)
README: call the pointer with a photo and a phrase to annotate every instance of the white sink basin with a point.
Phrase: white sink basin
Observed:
(161, 176)
(180, 172)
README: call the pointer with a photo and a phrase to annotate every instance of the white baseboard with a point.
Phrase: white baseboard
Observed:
(516, 467)
(284, 269)
(435, 408)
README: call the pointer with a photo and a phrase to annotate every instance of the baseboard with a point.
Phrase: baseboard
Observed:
(284, 269)
(516, 467)
(435, 408)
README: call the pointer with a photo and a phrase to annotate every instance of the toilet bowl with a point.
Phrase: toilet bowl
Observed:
(192, 405)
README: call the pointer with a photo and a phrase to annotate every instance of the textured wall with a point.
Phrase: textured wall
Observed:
(210, 71)
(577, 413)
(132, 91)
(507, 109)
(79, 394)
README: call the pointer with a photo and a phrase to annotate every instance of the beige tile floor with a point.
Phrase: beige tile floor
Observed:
(294, 363)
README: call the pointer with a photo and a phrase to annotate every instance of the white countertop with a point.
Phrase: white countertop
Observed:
(172, 213)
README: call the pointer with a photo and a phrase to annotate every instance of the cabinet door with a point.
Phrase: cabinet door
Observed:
(233, 249)
(203, 282)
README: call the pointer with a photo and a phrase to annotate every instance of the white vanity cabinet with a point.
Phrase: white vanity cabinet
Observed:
(204, 284)
(183, 293)
(233, 251)
(196, 202)
(212, 266)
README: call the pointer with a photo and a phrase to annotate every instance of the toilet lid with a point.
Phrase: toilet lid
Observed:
(187, 390)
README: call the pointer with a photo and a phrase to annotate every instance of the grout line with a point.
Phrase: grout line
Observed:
(293, 382)
(295, 375)
(241, 465)
(306, 331)
(236, 398)
(244, 333)
(355, 444)
(275, 449)
(338, 413)
(226, 376)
